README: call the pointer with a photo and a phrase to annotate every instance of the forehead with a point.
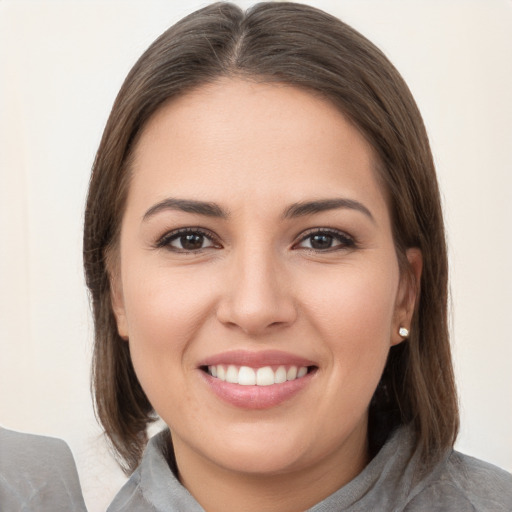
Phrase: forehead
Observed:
(237, 138)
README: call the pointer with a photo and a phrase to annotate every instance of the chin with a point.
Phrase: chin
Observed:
(262, 460)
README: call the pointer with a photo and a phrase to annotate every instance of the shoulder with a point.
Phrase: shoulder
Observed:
(464, 483)
(483, 483)
(37, 472)
(17, 446)
(471, 470)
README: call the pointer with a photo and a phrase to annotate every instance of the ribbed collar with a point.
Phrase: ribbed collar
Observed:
(389, 481)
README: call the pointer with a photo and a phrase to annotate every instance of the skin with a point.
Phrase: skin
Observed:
(254, 150)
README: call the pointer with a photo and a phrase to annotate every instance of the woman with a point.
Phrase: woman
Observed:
(264, 247)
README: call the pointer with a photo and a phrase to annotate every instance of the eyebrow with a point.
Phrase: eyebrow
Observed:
(300, 209)
(187, 205)
(322, 205)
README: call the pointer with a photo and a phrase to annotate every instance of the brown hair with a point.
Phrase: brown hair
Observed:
(304, 47)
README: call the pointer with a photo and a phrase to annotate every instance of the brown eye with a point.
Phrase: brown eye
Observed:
(321, 241)
(326, 240)
(189, 240)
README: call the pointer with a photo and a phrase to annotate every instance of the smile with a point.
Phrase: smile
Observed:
(264, 376)
(257, 380)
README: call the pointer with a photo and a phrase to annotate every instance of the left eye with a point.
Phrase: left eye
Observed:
(187, 241)
(325, 240)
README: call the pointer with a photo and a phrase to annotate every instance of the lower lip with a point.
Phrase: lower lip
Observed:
(256, 397)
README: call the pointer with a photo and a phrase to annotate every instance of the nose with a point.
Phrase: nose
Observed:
(257, 298)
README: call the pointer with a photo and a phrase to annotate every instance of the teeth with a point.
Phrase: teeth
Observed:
(291, 374)
(265, 376)
(232, 374)
(280, 375)
(246, 376)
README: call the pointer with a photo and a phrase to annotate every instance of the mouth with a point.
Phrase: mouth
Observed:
(257, 380)
(260, 376)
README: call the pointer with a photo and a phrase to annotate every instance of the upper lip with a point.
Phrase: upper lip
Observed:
(256, 359)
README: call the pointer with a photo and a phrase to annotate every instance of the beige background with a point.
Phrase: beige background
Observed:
(61, 65)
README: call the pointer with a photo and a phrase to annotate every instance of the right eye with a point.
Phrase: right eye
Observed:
(189, 240)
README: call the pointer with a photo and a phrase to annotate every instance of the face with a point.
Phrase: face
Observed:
(257, 282)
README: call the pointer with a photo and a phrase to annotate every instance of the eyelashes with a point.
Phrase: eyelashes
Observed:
(188, 240)
(196, 240)
(325, 240)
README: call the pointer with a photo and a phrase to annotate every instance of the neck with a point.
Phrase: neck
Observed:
(220, 489)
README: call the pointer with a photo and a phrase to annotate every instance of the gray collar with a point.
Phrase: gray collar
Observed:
(387, 483)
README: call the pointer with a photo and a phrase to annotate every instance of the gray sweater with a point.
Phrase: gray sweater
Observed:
(393, 481)
(37, 474)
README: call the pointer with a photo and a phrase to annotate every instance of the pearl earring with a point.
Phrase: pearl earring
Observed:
(403, 332)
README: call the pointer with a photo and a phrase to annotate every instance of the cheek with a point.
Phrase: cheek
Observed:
(164, 311)
(363, 294)
(162, 304)
(352, 308)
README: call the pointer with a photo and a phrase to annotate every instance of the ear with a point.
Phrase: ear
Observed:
(408, 293)
(117, 298)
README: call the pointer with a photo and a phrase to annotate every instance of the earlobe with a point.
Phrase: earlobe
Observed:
(408, 295)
